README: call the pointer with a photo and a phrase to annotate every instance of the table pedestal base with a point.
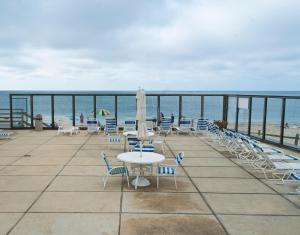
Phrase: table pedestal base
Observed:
(142, 182)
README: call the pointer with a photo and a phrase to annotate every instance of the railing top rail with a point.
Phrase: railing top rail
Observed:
(158, 94)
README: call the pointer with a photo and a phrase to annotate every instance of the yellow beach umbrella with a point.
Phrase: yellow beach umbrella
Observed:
(103, 112)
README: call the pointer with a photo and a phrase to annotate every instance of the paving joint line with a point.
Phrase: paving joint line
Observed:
(47, 186)
(201, 195)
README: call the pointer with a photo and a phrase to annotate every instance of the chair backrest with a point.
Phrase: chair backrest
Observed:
(185, 123)
(114, 139)
(179, 157)
(65, 123)
(110, 125)
(202, 124)
(145, 148)
(132, 141)
(91, 122)
(165, 123)
(129, 125)
(107, 165)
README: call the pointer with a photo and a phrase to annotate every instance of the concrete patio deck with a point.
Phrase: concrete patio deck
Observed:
(52, 185)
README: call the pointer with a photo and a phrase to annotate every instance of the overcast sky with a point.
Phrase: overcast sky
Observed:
(159, 45)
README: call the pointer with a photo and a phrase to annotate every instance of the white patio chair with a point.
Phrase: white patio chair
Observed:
(92, 126)
(185, 127)
(165, 126)
(164, 169)
(113, 170)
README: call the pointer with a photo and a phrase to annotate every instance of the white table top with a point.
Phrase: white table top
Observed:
(146, 158)
(149, 133)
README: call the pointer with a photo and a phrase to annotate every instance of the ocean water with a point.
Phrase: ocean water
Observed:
(169, 105)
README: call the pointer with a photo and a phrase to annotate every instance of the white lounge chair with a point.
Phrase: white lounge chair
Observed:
(185, 127)
(65, 126)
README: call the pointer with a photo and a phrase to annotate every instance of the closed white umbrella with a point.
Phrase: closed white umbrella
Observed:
(141, 114)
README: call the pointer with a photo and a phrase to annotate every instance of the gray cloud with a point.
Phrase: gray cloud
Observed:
(161, 45)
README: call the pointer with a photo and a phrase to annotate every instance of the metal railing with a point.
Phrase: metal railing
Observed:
(240, 111)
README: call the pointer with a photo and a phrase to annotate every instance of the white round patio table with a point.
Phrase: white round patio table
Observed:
(141, 158)
(127, 133)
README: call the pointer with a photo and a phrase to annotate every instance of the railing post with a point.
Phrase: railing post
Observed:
(73, 109)
(116, 108)
(11, 111)
(202, 107)
(31, 110)
(52, 111)
(249, 115)
(225, 109)
(94, 106)
(158, 110)
(237, 114)
(265, 118)
(180, 109)
(282, 120)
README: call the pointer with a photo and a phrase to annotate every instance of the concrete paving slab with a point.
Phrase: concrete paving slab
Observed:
(286, 188)
(68, 223)
(53, 153)
(164, 203)
(78, 202)
(136, 224)
(166, 184)
(16, 201)
(7, 160)
(260, 204)
(200, 154)
(84, 170)
(217, 172)
(42, 161)
(24, 183)
(7, 220)
(231, 185)
(261, 225)
(294, 198)
(85, 183)
(207, 162)
(31, 170)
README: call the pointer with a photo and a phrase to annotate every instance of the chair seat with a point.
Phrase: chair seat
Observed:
(118, 170)
(166, 170)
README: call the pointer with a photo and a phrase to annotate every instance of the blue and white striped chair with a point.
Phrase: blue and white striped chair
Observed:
(202, 125)
(4, 134)
(145, 148)
(111, 126)
(113, 140)
(165, 126)
(113, 170)
(129, 125)
(132, 141)
(170, 169)
(92, 126)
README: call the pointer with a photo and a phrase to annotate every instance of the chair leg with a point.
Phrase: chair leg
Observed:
(175, 181)
(127, 181)
(136, 182)
(157, 180)
(105, 179)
